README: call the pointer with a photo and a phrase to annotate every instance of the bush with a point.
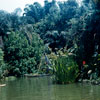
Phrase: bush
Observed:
(22, 57)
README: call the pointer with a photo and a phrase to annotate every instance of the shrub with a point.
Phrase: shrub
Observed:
(22, 56)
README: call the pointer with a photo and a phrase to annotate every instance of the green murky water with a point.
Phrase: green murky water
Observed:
(43, 89)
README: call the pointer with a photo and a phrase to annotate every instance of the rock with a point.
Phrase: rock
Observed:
(2, 85)
(86, 81)
(95, 82)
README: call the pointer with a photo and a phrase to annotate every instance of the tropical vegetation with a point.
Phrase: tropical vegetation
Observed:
(69, 27)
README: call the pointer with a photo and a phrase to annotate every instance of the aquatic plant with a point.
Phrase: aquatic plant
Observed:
(65, 68)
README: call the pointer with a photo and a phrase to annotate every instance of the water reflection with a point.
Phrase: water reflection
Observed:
(43, 89)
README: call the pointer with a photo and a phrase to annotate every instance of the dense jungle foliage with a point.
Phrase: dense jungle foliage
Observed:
(67, 26)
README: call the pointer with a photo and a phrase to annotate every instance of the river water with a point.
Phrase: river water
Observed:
(43, 89)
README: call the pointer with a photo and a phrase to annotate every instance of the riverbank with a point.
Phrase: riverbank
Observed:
(36, 75)
(93, 81)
